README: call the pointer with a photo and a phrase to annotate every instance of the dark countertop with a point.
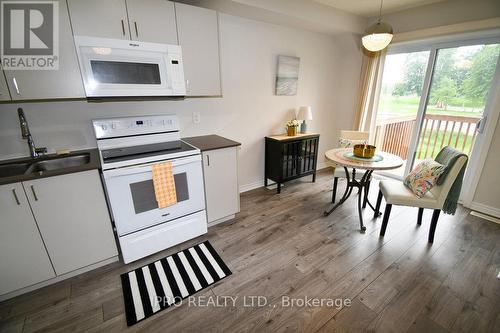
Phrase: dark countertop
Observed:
(94, 163)
(210, 142)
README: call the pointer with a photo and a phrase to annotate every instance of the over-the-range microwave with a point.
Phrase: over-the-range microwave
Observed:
(124, 68)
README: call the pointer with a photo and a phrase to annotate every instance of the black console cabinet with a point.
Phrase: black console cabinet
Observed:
(290, 157)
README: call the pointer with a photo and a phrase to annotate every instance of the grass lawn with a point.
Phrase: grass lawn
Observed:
(391, 106)
(408, 105)
(422, 146)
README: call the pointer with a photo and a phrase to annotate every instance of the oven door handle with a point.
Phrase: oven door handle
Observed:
(130, 170)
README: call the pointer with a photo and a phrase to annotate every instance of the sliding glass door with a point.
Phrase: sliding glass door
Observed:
(460, 84)
(433, 98)
(401, 90)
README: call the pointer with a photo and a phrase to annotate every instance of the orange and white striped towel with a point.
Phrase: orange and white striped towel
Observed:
(163, 181)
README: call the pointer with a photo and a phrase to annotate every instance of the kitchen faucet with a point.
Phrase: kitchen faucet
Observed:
(25, 131)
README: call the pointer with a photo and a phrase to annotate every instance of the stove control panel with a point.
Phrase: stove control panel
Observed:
(128, 126)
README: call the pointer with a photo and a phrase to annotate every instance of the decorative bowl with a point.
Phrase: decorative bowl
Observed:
(364, 151)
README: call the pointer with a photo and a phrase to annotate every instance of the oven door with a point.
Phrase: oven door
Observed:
(120, 68)
(132, 197)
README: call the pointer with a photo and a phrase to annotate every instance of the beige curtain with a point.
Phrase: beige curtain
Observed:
(371, 72)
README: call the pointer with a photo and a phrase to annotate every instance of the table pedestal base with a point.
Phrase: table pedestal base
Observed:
(362, 184)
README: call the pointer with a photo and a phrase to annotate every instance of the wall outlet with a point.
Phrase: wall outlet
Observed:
(196, 117)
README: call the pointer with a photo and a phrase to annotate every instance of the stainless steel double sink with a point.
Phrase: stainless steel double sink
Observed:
(42, 164)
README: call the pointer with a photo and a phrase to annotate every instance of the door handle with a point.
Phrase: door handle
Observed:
(208, 160)
(187, 85)
(34, 193)
(123, 27)
(481, 124)
(136, 31)
(15, 197)
(14, 81)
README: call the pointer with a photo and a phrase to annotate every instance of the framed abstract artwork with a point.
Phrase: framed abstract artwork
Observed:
(287, 76)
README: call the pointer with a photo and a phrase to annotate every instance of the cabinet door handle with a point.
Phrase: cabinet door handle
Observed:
(34, 193)
(16, 86)
(123, 27)
(208, 160)
(136, 31)
(187, 85)
(15, 197)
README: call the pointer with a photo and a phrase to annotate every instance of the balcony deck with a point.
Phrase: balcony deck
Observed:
(393, 135)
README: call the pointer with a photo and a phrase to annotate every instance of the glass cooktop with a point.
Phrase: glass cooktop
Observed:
(136, 152)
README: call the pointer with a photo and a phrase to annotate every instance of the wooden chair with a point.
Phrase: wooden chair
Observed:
(396, 193)
(339, 173)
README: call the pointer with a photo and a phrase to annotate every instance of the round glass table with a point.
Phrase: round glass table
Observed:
(343, 157)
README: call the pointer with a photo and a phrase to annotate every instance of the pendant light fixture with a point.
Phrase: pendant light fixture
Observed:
(378, 35)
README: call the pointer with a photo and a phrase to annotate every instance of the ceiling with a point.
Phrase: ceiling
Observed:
(370, 8)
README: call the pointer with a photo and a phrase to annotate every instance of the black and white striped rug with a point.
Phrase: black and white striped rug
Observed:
(155, 287)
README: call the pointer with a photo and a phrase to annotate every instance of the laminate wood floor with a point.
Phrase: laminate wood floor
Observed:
(280, 247)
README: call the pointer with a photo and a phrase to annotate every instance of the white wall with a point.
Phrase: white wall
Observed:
(249, 110)
(488, 189)
(487, 194)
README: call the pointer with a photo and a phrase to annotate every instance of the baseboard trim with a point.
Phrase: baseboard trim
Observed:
(57, 278)
(260, 183)
(485, 217)
(251, 186)
(224, 219)
(322, 165)
(485, 209)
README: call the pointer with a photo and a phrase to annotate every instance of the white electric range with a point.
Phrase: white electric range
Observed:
(128, 148)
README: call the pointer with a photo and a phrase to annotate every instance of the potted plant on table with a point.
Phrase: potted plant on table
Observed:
(292, 127)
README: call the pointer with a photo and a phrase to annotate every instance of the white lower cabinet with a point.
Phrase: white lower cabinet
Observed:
(23, 258)
(220, 173)
(73, 219)
(52, 226)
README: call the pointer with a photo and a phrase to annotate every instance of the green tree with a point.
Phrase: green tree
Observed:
(445, 64)
(477, 82)
(399, 89)
(446, 89)
(413, 77)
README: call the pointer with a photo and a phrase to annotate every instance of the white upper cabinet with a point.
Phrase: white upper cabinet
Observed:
(73, 219)
(23, 258)
(4, 91)
(142, 20)
(152, 21)
(156, 21)
(199, 38)
(97, 18)
(66, 82)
